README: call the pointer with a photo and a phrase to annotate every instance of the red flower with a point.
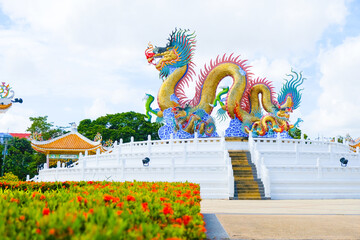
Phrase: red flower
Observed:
(119, 212)
(202, 228)
(22, 218)
(107, 198)
(130, 198)
(196, 192)
(145, 206)
(42, 197)
(14, 200)
(163, 199)
(187, 194)
(46, 211)
(79, 198)
(52, 231)
(38, 231)
(71, 232)
(180, 201)
(91, 210)
(167, 210)
(178, 220)
(120, 204)
(186, 219)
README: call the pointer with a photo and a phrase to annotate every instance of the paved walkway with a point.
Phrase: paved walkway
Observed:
(282, 219)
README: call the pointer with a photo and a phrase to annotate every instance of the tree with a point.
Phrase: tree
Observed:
(120, 125)
(21, 159)
(296, 133)
(43, 127)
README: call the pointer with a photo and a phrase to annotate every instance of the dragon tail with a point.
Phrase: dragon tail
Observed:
(149, 99)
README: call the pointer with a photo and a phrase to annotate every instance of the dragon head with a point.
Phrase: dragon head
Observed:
(177, 53)
(289, 97)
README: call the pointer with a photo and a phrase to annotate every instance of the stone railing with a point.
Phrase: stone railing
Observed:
(200, 160)
(288, 168)
(298, 168)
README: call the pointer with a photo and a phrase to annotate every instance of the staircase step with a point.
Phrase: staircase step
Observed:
(240, 170)
(242, 162)
(238, 156)
(247, 195)
(246, 183)
(254, 186)
(249, 198)
(241, 166)
(248, 189)
(243, 176)
(243, 173)
(245, 168)
(251, 192)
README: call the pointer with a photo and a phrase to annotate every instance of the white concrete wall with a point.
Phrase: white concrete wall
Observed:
(289, 169)
(299, 169)
(203, 161)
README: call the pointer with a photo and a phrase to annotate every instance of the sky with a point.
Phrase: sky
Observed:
(73, 60)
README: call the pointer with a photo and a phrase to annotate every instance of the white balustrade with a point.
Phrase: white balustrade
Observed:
(303, 169)
(200, 160)
(288, 168)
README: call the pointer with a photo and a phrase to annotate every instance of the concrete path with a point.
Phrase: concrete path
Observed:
(283, 219)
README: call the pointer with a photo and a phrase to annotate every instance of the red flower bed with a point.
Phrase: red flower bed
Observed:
(101, 210)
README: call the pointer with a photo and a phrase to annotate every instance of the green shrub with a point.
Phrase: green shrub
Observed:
(9, 177)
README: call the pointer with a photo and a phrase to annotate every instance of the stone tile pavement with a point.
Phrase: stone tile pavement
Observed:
(282, 219)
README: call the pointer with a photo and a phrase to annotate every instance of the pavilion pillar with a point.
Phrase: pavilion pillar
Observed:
(47, 160)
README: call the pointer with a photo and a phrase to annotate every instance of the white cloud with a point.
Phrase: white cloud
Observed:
(274, 71)
(90, 54)
(16, 119)
(97, 109)
(338, 110)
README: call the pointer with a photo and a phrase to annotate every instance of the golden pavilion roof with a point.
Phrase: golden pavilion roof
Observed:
(70, 142)
(355, 143)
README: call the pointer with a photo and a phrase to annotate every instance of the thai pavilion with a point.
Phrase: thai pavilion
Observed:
(66, 147)
(356, 143)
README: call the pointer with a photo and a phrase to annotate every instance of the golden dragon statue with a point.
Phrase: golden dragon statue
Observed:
(250, 102)
(6, 97)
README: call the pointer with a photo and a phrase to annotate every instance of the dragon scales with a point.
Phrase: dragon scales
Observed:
(250, 103)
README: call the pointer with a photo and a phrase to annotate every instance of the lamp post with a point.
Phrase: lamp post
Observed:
(4, 140)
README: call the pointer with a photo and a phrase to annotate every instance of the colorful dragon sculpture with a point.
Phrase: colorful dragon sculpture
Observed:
(6, 96)
(249, 102)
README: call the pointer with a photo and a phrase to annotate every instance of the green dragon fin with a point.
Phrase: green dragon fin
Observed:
(221, 115)
(218, 97)
(149, 100)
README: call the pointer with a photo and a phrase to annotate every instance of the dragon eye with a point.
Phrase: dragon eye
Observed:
(161, 49)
